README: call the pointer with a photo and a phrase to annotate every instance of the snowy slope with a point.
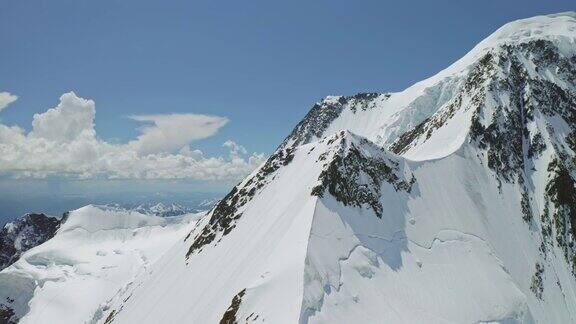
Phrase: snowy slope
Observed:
(95, 255)
(453, 201)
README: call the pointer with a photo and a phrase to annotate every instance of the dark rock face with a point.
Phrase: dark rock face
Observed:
(229, 316)
(7, 313)
(23, 234)
(355, 179)
(561, 195)
(537, 285)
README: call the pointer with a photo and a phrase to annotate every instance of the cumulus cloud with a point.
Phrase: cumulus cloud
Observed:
(6, 98)
(72, 118)
(63, 142)
(173, 131)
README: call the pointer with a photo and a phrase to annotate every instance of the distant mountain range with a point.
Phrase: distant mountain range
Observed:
(13, 205)
(165, 209)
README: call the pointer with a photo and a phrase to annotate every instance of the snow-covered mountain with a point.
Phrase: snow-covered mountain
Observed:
(452, 201)
(93, 258)
(33, 229)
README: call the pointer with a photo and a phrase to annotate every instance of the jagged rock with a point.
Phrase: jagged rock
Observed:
(23, 234)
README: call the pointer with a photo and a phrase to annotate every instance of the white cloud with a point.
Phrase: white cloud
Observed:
(6, 98)
(63, 142)
(173, 131)
(72, 118)
(235, 148)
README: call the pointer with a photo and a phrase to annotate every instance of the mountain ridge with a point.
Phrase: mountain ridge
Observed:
(450, 202)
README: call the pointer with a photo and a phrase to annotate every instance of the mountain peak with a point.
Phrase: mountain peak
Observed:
(541, 48)
(559, 28)
(538, 27)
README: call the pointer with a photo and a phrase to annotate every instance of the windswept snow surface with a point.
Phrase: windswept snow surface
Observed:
(450, 202)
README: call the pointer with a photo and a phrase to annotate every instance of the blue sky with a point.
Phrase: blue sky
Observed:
(260, 65)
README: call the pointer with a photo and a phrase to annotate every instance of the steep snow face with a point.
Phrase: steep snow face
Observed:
(456, 249)
(23, 234)
(95, 255)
